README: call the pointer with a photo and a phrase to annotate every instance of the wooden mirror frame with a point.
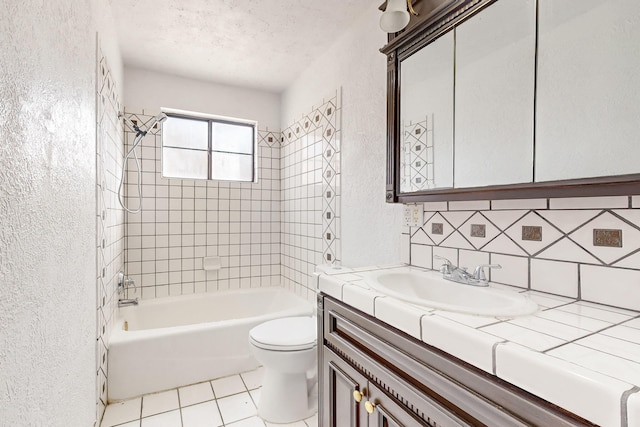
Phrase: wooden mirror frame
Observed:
(436, 17)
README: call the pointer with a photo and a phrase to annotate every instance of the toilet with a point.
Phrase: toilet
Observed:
(287, 349)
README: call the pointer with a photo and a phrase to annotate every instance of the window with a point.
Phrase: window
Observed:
(208, 147)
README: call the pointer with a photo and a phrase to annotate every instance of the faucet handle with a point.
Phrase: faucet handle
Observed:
(478, 273)
(446, 267)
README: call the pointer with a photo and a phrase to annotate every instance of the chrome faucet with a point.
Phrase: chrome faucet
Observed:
(461, 275)
(124, 283)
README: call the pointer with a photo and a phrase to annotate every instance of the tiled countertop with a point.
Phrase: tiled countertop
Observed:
(581, 356)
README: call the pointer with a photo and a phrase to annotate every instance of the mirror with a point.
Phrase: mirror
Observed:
(514, 99)
(494, 91)
(427, 117)
(588, 94)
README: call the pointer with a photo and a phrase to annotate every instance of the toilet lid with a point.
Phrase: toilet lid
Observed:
(288, 333)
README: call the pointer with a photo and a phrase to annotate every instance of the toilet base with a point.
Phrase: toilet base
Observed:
(286, 398)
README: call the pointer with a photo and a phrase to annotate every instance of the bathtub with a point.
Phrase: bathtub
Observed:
(177, 341)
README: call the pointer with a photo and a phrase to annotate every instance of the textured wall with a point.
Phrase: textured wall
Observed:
(354, 64)
(47, 210)
(47, 229)
(151, 91)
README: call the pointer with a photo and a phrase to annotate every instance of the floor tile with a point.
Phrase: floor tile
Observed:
(122, 412)
(255, 395)
(253, 379)
(201, 415)
(196, 393)
(167, 419)
(227, 386)
(159, 402)
(236, 407)
(250, 422)
(312, 421)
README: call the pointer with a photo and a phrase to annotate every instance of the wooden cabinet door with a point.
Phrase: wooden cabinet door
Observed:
(385, 412)
(339, 403)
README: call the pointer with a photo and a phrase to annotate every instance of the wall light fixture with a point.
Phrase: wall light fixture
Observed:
(396, 16)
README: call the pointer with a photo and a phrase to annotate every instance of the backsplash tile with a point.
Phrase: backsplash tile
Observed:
(519, 204)
(612, 286)
(555, 277)
(542, 244)
(589, 202)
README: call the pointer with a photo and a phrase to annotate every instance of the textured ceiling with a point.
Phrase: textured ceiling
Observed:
(261, 44)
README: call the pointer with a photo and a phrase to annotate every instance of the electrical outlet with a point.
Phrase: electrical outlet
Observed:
(413, 215)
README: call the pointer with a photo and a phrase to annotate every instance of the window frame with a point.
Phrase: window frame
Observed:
(210, 119)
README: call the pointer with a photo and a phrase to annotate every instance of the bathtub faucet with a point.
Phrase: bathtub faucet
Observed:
(125, 283)
(127, 302)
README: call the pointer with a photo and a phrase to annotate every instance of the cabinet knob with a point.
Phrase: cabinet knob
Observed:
(369, 406)
(357, 395)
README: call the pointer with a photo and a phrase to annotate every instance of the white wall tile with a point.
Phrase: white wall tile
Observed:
(448, 253)
(611, 286)
(589, 202)
(472, 259)
(472, 205)
(514, 271)
(435, 206)
(421, 256)
(591, 395)
(555, 277)
(519, 204)
(405, 242)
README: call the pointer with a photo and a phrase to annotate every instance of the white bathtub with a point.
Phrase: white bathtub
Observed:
(177, 341)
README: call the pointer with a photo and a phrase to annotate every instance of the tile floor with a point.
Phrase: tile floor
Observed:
(229, 401)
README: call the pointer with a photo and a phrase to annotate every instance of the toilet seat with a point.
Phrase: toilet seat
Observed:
(285, 334)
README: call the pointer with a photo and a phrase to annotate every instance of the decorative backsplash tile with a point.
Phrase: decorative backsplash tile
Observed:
(546, 249)
(532, 232)
(611, 238)
(478, 230)
(437, 228)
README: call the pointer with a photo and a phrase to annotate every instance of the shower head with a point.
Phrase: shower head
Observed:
(157, 119)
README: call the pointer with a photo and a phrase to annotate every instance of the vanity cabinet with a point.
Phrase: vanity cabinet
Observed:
(372, 374)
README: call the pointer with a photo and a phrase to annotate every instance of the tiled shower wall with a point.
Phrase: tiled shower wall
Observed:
(183, 221)
(311, 195)
(270, 233)
(109, 219)
(586, 248)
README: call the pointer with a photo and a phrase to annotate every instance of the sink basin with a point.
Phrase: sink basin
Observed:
(429, 289)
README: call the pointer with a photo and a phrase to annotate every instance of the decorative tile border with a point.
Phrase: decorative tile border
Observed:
(109, 218)
(589, 234)
(311, 194)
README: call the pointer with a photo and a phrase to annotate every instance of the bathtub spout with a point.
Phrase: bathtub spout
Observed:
(126, 302)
